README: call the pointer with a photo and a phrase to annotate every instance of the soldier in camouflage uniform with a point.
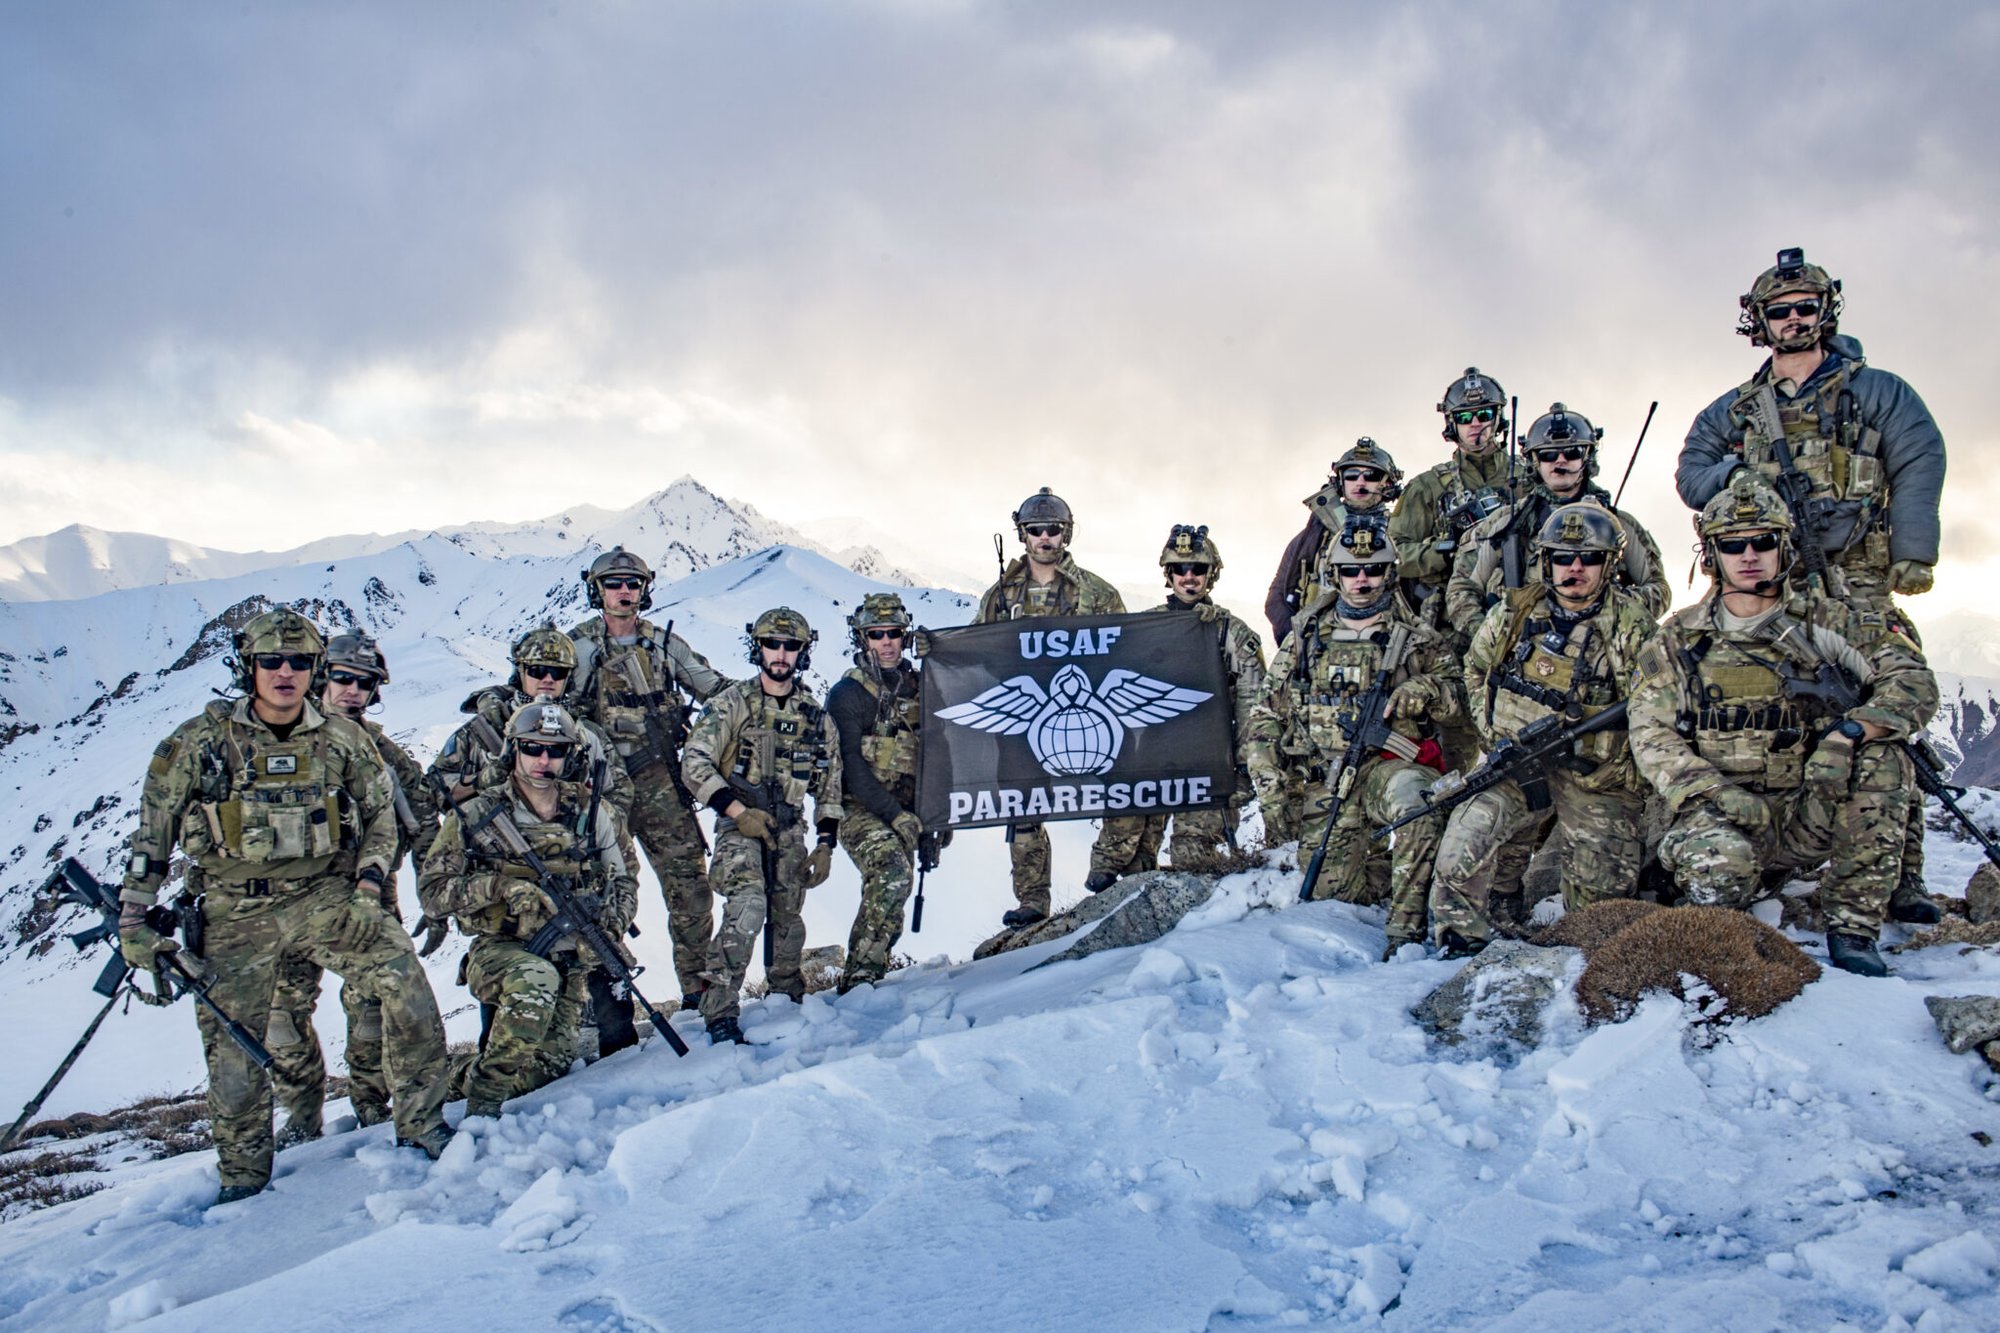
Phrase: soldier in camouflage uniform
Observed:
(1442, 503)
(1494, 557)
(1564, 646)
(472, 875)
(1871, 454)
(759, 748)
(1364, 479)
(1338, 646)
(877, 709)
(1192, 564)
(633, 680)
(355, 673)
(288, 815)
(1756, 777)
(1046, 581)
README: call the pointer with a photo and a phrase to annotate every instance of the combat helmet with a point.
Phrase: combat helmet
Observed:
(357, 651)
(1044, 506)
(781, 622)
(279, 630)
(549, 723)
(1364, 540)
(1585, 526)
(1469, 393)
(1790, 274)
(1746, 504)
(543, 646)
(617, 560)
(876, 610)
(1559, 426)
(1367, 453)
(1191, 545)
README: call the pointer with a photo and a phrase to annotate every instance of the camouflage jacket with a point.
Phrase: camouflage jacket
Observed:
(1318, 676)
(1302, 571)
(1709, 704)
(744, 735)
(1075, 592)
(633, 689)
(466, 874)
(418, 796)
(1478, 574)
(1418, 523)
(470, 759)
(1880, 466)
(1524, 665)
(253, 812)
(1242, 661)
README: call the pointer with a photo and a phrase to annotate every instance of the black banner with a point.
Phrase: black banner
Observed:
(1074, 717)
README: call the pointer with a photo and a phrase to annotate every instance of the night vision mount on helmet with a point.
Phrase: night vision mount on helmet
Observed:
(1044, 506)
(1469, 393)
(1367, 453)
(1188, 544)
(1790, 274)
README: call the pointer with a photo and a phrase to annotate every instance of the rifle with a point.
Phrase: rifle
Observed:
(927, 859)
(576, 913)
(1525, 759)
(1636, 447)
(665, 736)
(766, 796)
(1834, 691)
(1794, 487)
(1366, 733)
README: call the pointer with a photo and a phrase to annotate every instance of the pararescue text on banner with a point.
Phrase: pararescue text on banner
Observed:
(1073, 717)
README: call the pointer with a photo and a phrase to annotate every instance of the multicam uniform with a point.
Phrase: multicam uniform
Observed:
(1479, 575)
(280, 828)
(536, 1000)
(1073, 592)
(631, 687)
(470, 759)
(879, 716)
(1310, 697)
(742, 738)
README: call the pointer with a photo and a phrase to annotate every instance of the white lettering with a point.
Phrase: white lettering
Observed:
(1145, 795)
(1058, 643)
(1065, 800)
(1031, 643)
(961, 805)
(1198, 791)
(1093, 797)
(1010, 803)
(1108, 636)
(1172, 790)
(1117, 796)
(1038, 801)
(982, 809)
(1084, 646)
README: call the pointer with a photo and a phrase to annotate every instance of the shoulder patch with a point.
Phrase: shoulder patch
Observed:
(163, 756)
(1651, 662)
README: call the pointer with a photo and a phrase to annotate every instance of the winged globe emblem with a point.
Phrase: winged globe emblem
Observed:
(1073, 728)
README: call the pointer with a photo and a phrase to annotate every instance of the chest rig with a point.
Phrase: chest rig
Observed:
(782, 746)
(890, 747)
(562, 845)
(268, 809)
(636, 698)
(1841, 456)
(1561, 671)
(1461, 504)
(1336, 666)
(1735, 711)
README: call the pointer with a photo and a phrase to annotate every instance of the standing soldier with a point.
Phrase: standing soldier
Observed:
(759, 748)
(1495, 557)
(1564, 647)
(631, 678)
(288, 815)
(1442, 503)
(1192, 565)
(1756, 774)
(355, 673)
(1863, 454)
(473, 875)
(1308, 714)
(877, 709)
(1364, 479)
(1046, 581)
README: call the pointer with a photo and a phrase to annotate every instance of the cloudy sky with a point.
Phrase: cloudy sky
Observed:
(273, 272)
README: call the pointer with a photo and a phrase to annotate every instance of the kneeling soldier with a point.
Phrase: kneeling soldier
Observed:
(496, 897)
(1757, 773)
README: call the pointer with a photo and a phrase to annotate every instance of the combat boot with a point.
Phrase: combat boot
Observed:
(432, 1141)
(1455, 945)
(1396, 942)
(1017, 918)
(236, 1194)
(1912, 906)
(722, 1030)
(1856, 954)
(1097, 881)
(294, 1133)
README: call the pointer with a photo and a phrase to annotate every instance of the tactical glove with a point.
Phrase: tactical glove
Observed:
(1741, 808)
(1910, 577)
(138, 942)
(526, 902)
(908, 830)
(1207, 612)
(1830, 767)
(755, 823)
(1279, 826)
(819, 865)
(1413, 698)
(434, 930)
(361, 927)
(920, 642)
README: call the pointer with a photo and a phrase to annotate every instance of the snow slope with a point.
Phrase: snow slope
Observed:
(1238, 1126)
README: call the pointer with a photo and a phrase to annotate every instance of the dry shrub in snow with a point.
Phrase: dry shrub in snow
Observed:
(1751, 967)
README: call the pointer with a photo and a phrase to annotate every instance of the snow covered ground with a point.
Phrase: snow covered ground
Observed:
(1237, 1126)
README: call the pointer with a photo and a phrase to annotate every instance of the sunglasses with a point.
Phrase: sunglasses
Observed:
(782, 645)
(877, 634)
(1568, 453)
(621, 584)
(1042, 529)
(1186, 567)
(1786, 309)
(338, 677)
(1763, 542)
(543, 749)
(296, 661)
(536, 671)
(1588, 559)
(1355, 571)
(1362, 474)
(1470, 415)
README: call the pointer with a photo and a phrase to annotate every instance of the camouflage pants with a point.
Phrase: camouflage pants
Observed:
(1868, 587)
(1201, 837)
(298, 1069)
(673, 843)
(1858, 833)
(1127, 844)
(532, 1039)
(1597, 835)
(247, 939)
(736, 873)
(1028, 852)
(1384, 790)
(887, 872)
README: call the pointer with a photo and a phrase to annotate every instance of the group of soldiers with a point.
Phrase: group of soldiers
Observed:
(1486, 608)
